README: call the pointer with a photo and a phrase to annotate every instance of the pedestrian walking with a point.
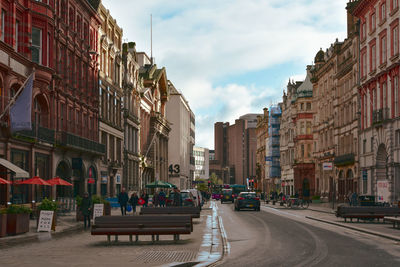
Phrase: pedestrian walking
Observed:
(177, 198)
(134, 201)
(123, 200)
(349, 198)
(145, 197)
(161, 198)
(155, 199)
(86, 207)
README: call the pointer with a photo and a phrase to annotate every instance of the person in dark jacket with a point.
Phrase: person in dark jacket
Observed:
(177, 197)
(145, 197)
(134, 202)
(123, 200)
(86, 207)
(162, 198)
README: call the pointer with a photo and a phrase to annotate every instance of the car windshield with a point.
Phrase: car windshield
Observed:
(227, 192)
(185, 195)
(248, 195)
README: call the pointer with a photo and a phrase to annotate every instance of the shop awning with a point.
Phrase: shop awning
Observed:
(19, 173)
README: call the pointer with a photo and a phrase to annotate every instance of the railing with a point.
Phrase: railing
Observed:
(38, 133)
(80, 143)
(343, 160)
(380, 115)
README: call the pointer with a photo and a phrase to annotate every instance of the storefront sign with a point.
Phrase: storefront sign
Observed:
(104, 177)
(383, 191)
(98, 210)
(327, 166)
(118, 178)
(45, 220)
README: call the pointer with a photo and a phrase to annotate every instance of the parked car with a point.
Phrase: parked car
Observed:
(247, 200)
(188, 199)
(197, 197)
(227, 196)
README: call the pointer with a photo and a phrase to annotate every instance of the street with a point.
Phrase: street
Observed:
(286, 238)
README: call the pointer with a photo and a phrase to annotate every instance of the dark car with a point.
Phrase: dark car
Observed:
(187, 198)
(247, 200)
(227, 196)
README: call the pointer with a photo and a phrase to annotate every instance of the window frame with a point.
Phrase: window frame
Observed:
(39, 47)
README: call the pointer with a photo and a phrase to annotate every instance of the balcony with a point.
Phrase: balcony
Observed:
(343, 160)
(380, 116)
(79, 143)
(38, 133)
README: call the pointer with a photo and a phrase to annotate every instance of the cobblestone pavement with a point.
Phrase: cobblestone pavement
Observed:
(82, 249)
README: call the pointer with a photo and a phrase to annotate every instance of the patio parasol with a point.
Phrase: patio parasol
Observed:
(35, 181)
(158, 184)
(3, 181)
(58, 181)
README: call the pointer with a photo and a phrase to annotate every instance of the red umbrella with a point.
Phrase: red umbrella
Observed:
(58, 181)
(3, 181)
(35, 180)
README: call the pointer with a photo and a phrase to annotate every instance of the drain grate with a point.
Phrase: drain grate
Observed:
(167, 256)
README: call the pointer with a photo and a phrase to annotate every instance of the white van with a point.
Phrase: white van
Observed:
(198, 197)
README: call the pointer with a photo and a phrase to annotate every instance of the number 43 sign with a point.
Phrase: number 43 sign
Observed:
(174, 169)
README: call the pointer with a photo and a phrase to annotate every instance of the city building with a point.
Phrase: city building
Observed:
(202, 163)
(132, 86)
(58, 40)
(110, 103)
(235, 150)
(154, 127)
(272, 150)
(379, 137)
(346, 109)
(262, 134)
(181, 139)
(324, 91)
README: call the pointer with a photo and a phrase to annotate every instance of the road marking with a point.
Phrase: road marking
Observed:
(225, 242)
(283, 212)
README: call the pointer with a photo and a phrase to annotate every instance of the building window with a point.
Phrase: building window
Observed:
(383, 11)
(395, 4)
(308, 106)
(364, 63)
(36, 45)
(16, 35)
(397, 138)
(383, 49)
(384, 95)
(364, 146)
(396, 95)
(395, 40)
(372, 22)
(48, 49)
(373, 57)
(365, 184)
(372, 144)
(3, 24)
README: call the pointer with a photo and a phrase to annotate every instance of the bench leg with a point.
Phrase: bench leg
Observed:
(109, 238)
(152, 238)
(158, 238)
(130, 238)
(177, 237)
(137, 238)
(116, 238)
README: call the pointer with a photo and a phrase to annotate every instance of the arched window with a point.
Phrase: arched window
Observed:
(40, 111)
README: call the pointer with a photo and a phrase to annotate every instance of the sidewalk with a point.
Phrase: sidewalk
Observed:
(323, 212)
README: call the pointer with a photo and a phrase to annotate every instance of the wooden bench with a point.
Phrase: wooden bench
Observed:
(143, 225)
(366, 212)
(394, 220)
(193, 211)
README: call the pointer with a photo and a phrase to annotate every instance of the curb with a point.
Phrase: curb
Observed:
(356, 229)
(37, 237)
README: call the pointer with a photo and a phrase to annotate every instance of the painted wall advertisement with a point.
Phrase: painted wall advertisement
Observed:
(383, 191)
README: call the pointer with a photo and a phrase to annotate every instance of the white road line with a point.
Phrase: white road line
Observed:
(225, 243)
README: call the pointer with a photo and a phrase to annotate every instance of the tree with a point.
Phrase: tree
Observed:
(215, 180)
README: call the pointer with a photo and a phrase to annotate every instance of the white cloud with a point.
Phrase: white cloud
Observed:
(201, 41)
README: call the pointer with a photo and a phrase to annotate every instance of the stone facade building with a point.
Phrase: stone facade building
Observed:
(59, 40)
(110, 103)
(180, 143)
(346, 108)
(154, 127)
(132, 87)
(379, 93)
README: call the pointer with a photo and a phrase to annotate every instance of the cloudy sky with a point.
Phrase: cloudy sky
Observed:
(231, 57)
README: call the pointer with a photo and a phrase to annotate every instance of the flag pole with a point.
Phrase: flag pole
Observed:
(15, 96)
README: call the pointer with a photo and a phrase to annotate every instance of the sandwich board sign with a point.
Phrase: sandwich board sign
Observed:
(45, 221)
(98, 210)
